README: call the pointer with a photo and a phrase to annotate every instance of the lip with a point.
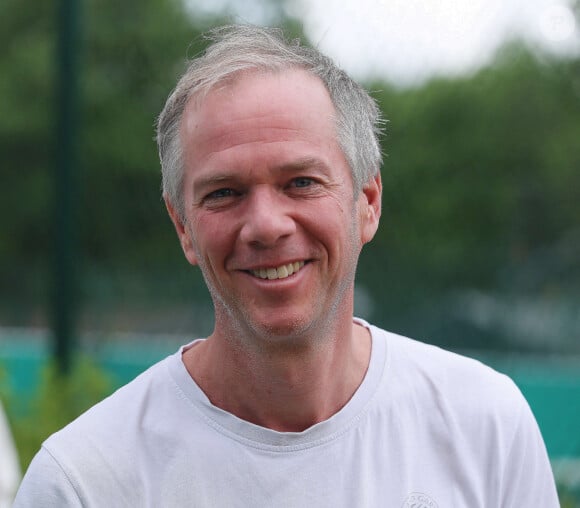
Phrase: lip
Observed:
(274, 264)
(267, 281)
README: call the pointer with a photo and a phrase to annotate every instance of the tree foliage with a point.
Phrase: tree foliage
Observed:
(481, 193)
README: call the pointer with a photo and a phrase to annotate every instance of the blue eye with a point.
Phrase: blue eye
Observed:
(302, 182)
(221, 193)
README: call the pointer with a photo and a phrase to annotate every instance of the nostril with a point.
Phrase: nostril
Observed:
(266, 229)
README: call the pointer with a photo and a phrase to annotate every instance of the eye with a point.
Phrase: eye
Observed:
(221, 193)
(302, 181)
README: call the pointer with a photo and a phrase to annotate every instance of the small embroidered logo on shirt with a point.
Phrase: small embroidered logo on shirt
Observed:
(419, 500)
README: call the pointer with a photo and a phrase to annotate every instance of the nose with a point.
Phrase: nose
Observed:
(266, 218)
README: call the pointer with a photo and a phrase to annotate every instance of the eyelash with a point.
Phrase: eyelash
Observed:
(302, 179)
(301, 182)
(220, 193)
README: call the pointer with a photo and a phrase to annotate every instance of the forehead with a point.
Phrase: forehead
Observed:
(260, 106)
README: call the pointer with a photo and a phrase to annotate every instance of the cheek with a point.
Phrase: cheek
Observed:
(337, 229)
(212, 239)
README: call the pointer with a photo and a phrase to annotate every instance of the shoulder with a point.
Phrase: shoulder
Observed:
(473, 414)
(449, 384)
(412, 359)
(46, 480)
(104, 442)
(126, 407)
(464, 419)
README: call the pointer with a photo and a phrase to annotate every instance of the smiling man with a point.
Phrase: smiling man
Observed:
(270, 163)
(271, 216)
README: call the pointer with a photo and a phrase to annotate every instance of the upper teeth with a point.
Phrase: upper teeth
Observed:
(280, 272)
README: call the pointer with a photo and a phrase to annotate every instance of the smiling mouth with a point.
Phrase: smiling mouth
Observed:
(280, 272)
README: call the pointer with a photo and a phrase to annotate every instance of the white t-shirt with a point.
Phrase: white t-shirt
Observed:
(426, 428)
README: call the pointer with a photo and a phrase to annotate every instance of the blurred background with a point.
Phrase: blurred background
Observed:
(479, 248)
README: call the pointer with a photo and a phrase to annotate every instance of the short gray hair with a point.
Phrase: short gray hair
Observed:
(239, 48)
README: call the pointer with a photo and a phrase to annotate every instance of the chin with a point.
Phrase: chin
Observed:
(290, 332)
(279, 327)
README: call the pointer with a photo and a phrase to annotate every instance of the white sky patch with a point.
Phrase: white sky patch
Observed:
(409, 41)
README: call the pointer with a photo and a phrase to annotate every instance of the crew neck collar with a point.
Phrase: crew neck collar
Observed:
(261, 437)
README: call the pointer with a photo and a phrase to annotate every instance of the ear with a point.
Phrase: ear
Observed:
(370, 208)
(183, 233)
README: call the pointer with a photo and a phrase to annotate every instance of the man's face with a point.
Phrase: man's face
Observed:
(270, 215)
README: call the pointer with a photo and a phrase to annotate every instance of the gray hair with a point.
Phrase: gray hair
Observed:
(239, 48)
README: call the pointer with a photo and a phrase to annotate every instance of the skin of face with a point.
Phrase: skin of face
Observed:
(267, 186)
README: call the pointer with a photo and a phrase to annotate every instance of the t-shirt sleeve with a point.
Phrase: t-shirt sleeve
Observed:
(528, 479)
(46, 484)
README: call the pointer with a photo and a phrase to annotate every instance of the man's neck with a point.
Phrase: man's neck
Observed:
(284, 392)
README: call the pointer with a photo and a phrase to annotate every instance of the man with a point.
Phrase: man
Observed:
(271, 177)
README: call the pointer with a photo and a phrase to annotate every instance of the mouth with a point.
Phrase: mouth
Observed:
(279, 272)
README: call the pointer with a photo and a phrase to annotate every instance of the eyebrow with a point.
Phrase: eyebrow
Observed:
(303, 163)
